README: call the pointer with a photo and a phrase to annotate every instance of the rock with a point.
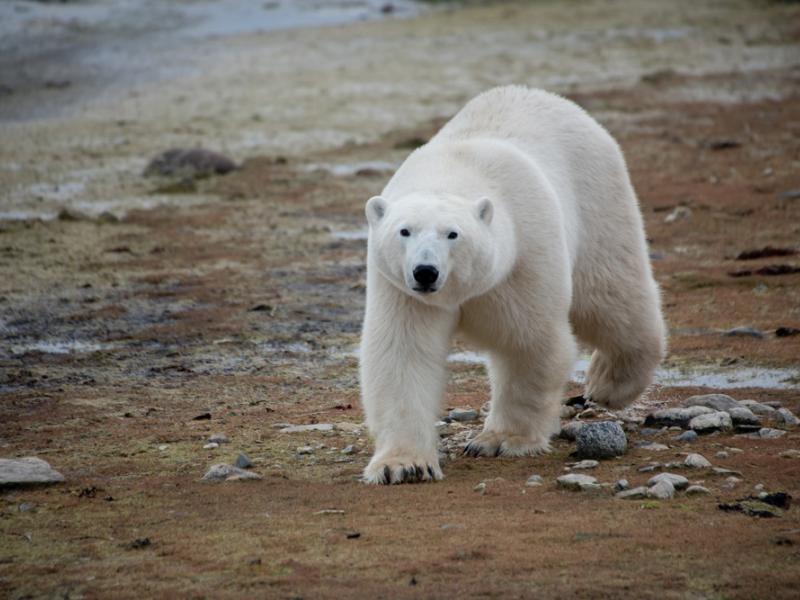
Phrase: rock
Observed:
(697, 490)
(218, 438)
(210, 446)
(485, 408)
(228, 473)
(585, 464)
(534, 480)
(307, 428)
(759, 409)
(752, 508)
(678, 214)
(637, 493)
(696, 461)
(601, 440)
(480, 488)
(724, 471)
(649, 431)
(687, 436)
(463, 415)
(570, 430)
(786, 417)
(718, 402)
(567, 412)
(351, 449)
(27, 471)
(189, 162)
(621, 485)
(767, 433)
(675, 416)
(649, 467)
(743, 416)
(793, 453)
(711, 422)
(243, 461)
(721, 454)
(651, 446)
(663, 490)
(743, 332)
(776, 404)
(731, 482)
(301, 450)
(577, 482)
(679, 482)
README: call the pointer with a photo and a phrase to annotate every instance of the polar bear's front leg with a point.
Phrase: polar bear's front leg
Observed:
(527, 387)
(403, 377)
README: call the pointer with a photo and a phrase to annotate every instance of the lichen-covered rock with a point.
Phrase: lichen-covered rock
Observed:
(601, 440)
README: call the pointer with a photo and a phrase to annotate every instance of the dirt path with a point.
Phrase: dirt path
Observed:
(242, 301)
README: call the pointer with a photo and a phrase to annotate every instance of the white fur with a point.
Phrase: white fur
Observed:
(550, 241)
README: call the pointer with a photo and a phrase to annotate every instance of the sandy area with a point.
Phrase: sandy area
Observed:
(242, 298)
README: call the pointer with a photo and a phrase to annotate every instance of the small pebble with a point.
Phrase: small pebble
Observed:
(305, 450)
(243, 461)
(534, 480)
(218, 438)
(463, 415)
(585, 464)
(759, 487)
(480, 488)
(793, 453)
(651, 446)
(351, 449)
(229, 473)
(621, 485)
(731, 482)
(649, 467)
(697, 461)
(211, 446)
(722, 454)
(687, 436)
(696, 490)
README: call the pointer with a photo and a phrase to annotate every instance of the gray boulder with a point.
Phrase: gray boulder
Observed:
(27, 471)
(663, 490)
(670, 417)
(743, 416)
(679, 482)
(601, 440)
(697, 461)
(787, 417)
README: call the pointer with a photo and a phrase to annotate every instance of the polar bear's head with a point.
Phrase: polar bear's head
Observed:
(438, 249)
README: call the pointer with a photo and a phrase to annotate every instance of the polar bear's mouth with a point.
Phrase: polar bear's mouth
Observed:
(425, 290)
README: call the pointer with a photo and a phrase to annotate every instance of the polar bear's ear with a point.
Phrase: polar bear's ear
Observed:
(375, 209)
(485, 210)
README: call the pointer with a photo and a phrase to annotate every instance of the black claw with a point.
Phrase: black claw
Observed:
(430, 472)
(498, 451)
(387, 474)
(420, 473)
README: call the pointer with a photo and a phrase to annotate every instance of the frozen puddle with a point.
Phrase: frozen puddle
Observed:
(701, 376)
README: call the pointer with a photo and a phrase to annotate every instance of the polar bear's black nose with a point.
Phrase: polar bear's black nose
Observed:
(425, 275)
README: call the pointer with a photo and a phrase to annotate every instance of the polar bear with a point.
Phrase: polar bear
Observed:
(515, 227)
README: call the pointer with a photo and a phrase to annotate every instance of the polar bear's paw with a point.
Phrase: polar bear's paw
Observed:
(498, 443)
(401, 467)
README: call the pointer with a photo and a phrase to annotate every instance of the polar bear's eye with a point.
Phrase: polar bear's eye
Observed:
(405, 232)
(452, 235)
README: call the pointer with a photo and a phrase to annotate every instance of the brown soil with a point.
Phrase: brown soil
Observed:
(247, 308)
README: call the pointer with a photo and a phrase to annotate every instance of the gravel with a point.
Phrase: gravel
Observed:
(711, 422)
(601, 440)
(26, 471)
(679, 482)
(697, 461)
